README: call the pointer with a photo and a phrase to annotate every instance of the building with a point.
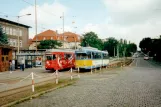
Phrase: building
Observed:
(72, 40)
(5, 56)
(13, 30)
(69, 39)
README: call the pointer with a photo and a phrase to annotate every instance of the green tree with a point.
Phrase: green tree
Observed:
(3, 37)
(91, 39)
(130, 48)
(145, 45)
(49, 44)
(110, 45)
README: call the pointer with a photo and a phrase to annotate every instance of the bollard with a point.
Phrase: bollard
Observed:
(95, 68)
(78, 73)
(56, 74)
(33, 89)
(71, 70)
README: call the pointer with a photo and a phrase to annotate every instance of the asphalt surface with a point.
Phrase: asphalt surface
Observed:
(138, 85)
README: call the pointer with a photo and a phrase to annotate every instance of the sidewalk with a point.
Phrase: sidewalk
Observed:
(20, 78)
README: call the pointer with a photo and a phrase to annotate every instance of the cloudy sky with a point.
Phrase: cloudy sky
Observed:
(127, 19)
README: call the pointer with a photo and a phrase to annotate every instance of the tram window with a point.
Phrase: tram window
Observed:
(67, 56)
(54, 57)
(49, 57)
(81, 56)
(105, 56)
(89, 55)
(96, 55)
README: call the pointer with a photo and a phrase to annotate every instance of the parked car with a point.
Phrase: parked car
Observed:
(146, 58)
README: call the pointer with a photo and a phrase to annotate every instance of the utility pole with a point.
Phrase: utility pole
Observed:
(18, 32)
(36, 24)
(18, 36)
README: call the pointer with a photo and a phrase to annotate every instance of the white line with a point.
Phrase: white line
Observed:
(25, 78)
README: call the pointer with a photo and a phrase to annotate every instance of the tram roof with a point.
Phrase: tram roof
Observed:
(89, 49)
(59, 50)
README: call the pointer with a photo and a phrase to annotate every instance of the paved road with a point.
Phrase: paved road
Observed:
(136, 86)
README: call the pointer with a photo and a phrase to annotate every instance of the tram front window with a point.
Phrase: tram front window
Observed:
(81, 56)
(49, 57)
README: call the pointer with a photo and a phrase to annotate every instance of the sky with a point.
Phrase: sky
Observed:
(126, 19)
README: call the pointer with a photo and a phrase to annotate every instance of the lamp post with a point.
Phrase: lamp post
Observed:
(36, 24)
(18, 33)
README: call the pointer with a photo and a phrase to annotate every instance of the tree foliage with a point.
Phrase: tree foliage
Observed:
(131, 48)
(110, 45)
(3, 37)
(145, 44)
(151, 47)
(49, 44)
(91, 39)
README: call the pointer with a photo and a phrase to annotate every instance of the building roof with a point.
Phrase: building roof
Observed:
(15, 23)
(47, 35)
(71, 37)
(30, 41)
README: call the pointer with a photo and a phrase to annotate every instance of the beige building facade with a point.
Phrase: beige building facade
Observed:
(13, 30)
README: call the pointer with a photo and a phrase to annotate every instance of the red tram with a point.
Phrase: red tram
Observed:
(59, 59)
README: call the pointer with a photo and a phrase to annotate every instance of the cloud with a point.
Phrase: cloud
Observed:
(48, 16)
(91, 27)
(129, 19)
(66, 29)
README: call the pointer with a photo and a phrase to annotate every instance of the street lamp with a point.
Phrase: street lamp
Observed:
(18, 33)
(36, 24)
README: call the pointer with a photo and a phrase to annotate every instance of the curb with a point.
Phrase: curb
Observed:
(37, 95)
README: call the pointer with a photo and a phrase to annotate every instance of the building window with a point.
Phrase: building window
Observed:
(10, 31)
(20, 43)
(44, 38)
(58, 37)
(20, 32)
(51, 38)
(7, 30)
(3, 27)
(14, 42)
(14, 31)
(10, 42)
